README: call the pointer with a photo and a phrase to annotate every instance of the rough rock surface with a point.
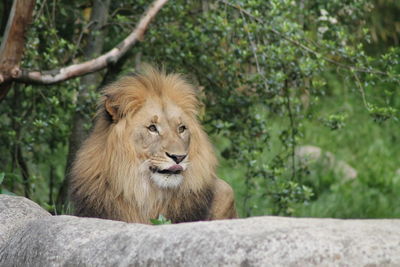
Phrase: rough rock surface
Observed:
(258, 241)
(15, 212)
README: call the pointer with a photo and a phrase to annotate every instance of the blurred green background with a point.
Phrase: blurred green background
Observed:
(301, 98)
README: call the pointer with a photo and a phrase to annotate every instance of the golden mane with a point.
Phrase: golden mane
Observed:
(106, 178)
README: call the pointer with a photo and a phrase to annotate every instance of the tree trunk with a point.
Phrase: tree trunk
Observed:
(24, 170)
(88, 83)
(12, 46)
(17, 149)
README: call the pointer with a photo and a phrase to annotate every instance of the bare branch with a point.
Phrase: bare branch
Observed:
(111, 57)
(361, 88)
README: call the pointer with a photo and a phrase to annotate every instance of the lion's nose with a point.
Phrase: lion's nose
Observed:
(176, 158)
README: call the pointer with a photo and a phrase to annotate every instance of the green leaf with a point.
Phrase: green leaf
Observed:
(160, 220)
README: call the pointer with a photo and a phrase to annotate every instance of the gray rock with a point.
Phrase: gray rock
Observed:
(307, 155)
(15, 212)
(257, 241)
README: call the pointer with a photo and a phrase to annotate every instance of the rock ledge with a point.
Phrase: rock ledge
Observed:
(29, 236)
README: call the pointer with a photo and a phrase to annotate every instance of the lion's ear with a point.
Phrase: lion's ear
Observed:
(111, 108)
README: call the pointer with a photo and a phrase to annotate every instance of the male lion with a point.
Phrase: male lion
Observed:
(148, 155)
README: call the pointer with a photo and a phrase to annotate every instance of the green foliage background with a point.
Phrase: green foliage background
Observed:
(273, 75)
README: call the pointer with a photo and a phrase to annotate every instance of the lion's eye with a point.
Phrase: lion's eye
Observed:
(152, 128)
(182, 128)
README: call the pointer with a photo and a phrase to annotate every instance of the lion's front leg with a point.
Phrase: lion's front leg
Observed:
(223, 205)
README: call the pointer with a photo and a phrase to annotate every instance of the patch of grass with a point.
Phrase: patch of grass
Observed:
(372, 148)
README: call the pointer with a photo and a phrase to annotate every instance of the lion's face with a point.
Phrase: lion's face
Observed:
(161, 137)
(150, 135)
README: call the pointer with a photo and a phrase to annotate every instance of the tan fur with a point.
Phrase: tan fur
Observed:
(110, 177)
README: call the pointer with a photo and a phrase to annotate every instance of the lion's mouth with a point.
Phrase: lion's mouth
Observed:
(174, 169)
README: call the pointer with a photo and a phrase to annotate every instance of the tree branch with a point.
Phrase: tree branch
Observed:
(111, 57)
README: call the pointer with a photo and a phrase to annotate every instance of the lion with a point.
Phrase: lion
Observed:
(147, 155)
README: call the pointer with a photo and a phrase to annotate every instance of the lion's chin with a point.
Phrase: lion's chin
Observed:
(166, 180)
